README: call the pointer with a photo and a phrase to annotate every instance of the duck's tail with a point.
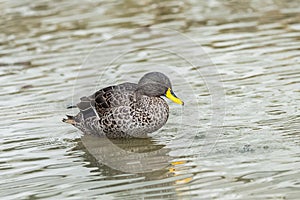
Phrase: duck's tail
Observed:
(70, 120)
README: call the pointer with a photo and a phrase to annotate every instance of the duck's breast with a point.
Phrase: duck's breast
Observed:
(151, 113)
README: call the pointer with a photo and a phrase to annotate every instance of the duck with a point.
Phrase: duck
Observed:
(127, 110)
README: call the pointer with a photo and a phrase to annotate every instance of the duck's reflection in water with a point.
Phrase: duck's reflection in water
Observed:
(129, 159)
(139, 155)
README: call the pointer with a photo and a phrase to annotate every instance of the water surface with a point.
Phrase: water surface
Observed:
(236, 138)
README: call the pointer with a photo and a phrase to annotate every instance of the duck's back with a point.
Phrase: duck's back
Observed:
(105, 99)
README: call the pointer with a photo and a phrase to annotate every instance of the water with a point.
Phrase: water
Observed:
(236, 138)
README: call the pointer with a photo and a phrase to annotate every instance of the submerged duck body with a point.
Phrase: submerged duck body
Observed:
(126, 110)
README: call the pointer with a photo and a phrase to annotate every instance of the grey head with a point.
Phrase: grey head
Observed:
(155, 84)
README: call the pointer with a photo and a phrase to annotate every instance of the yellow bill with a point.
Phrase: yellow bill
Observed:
(170, 95)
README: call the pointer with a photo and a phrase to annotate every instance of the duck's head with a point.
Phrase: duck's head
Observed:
(155, 84)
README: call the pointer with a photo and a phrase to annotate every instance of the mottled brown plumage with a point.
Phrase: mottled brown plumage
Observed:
(125, 110)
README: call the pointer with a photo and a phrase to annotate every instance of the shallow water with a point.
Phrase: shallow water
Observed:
(234, 63)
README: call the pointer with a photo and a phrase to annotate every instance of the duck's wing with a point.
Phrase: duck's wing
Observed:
(87, 106)
(105, 99)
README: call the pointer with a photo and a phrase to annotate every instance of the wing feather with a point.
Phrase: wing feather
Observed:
(101, 101)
